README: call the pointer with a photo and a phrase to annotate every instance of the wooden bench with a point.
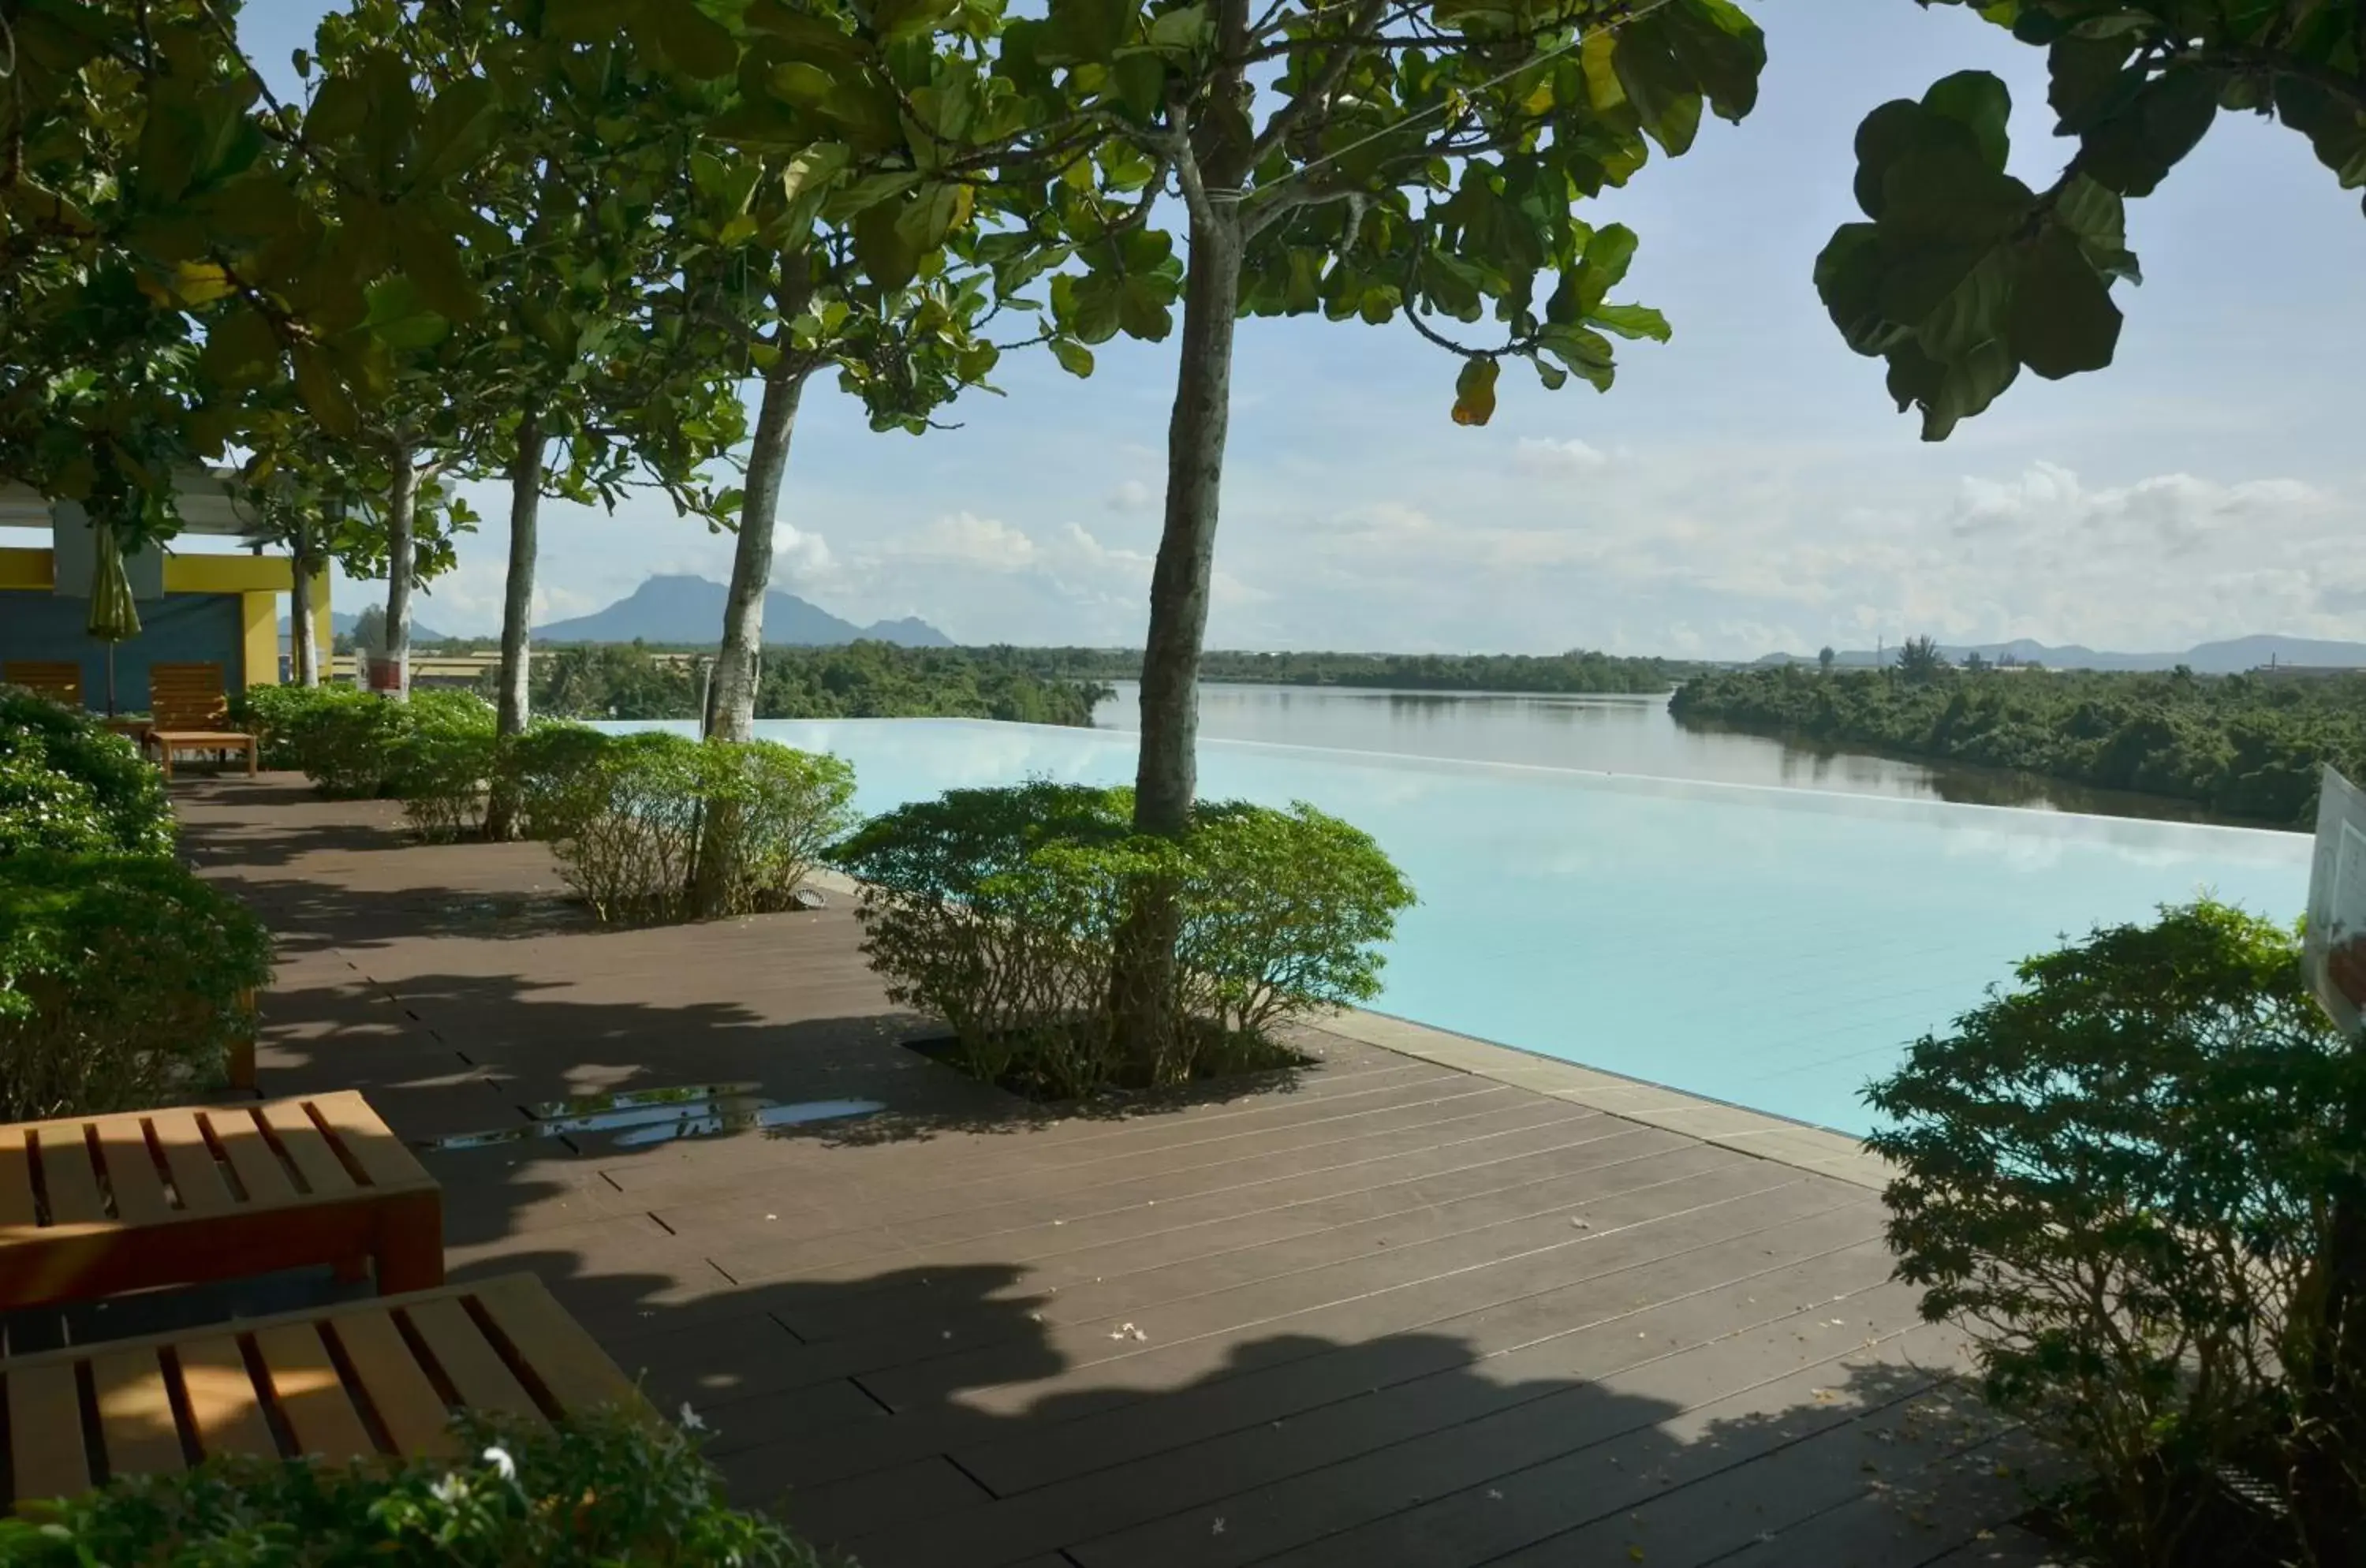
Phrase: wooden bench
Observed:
(96, 1206)
(58, 680)
(189, 711)
(372, 1379)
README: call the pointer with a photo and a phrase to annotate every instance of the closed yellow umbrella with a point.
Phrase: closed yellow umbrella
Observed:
(113, 616)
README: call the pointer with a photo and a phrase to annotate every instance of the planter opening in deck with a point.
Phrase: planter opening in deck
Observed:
(1001, 911)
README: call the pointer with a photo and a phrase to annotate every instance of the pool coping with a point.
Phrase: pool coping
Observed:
(1728, 1126)
(1737, 1127)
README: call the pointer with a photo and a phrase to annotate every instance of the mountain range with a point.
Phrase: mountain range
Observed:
(690, 610)
(343, 621)
(2230, 657)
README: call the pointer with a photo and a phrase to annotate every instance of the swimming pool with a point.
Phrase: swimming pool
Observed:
(1771, 947)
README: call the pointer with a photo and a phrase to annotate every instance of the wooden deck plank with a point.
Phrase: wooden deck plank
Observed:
(72, 1180)
(225, 1408)
(195, 1175)
(131, 1173)
(135, 1413)
(414, 1416)
(304, 1380)
(259, 1170)
(43, 1400)
(477, 1371)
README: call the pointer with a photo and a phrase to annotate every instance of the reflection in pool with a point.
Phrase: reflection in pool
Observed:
(1773, 947)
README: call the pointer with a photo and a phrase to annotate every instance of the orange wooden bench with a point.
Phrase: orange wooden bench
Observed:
(58, 680)
(189, 711)
(95, 1206)
(370, 1379)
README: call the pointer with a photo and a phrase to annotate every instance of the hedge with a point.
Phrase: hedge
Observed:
(67, 782)
(1007, 913)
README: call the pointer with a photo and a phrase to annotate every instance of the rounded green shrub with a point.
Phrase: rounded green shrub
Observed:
(123, 981)
(66, 781)
(2120, 1177)
(1005, 912)
(601, 1492)
(657, 827)
(439, 762)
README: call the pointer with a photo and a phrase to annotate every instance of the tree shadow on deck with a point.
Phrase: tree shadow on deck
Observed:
(924, 1415)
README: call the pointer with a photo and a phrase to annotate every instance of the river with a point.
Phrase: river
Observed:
(1606, 734)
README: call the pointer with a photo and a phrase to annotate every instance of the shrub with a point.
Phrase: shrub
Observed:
(661, 828)
(553, 768)
(601, 1492)
(66, 781)
(1002, 912)
(2119, 1177)
(439, 762)
(122, 982)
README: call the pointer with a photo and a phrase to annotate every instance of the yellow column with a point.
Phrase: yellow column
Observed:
(259, 612)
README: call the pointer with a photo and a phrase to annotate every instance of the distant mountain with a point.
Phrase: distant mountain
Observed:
(340, 622)
(2228, 657)
(690, 610)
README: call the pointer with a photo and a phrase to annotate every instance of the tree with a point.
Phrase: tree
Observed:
(1364, 160)
(821, 228)
(1919, 660)
(1824, 657)
(1964, 275)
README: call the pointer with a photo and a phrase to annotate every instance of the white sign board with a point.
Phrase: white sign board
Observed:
(2335, 948)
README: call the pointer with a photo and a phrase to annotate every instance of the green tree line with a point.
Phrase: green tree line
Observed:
(863, 680)
(2237, 745)
(1574, 671)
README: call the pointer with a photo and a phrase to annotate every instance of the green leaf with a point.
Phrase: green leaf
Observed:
(1660, 90)
(425, 252)
(1142, 309)
(240, 348)
(1630, 321)
(1474, 391)
(1088, 307)
(2087, 80)
(1184, 30)
(458, 130)
(1074, 356)
(935, 212)
(1608, 254)
(1088, 31)
(2132, 151)
(888, 258)
(322, 395)
(2063, 320)
(1979, 102)
(1139, 82)
(892, 19)
(692, 41)
(401, 317)
(1967, 388)
(1886, 135)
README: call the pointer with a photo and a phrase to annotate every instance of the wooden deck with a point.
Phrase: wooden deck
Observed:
(1443, 1305)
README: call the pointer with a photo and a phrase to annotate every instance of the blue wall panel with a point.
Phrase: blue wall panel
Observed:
(184, 628)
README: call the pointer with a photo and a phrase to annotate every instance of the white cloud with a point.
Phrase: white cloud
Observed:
(1130, 496)
(1571, 456)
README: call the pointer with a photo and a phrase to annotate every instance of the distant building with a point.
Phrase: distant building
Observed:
(215, 609)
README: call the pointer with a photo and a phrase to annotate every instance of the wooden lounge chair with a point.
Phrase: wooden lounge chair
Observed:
(58, 680)
(99, 1205)
(190, 712)
(353, 1382)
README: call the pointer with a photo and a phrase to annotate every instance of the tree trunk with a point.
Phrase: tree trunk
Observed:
(1167, 769)
(731, 707)
(1167, 772)
(516, 698)
(401, 514)
(303, 647)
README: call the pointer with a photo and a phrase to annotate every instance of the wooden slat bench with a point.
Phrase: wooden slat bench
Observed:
(58, 680)
(96, 1206)
(190, 709)
(370, 1379)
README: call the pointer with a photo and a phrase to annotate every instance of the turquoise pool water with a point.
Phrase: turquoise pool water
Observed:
(1771, 947)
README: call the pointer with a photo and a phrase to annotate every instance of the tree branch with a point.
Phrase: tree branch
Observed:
(1317, 92)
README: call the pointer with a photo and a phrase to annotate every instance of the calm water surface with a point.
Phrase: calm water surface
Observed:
(1771, 946)
(1605, 734)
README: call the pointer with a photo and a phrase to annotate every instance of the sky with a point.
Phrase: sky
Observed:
(1744, 488)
